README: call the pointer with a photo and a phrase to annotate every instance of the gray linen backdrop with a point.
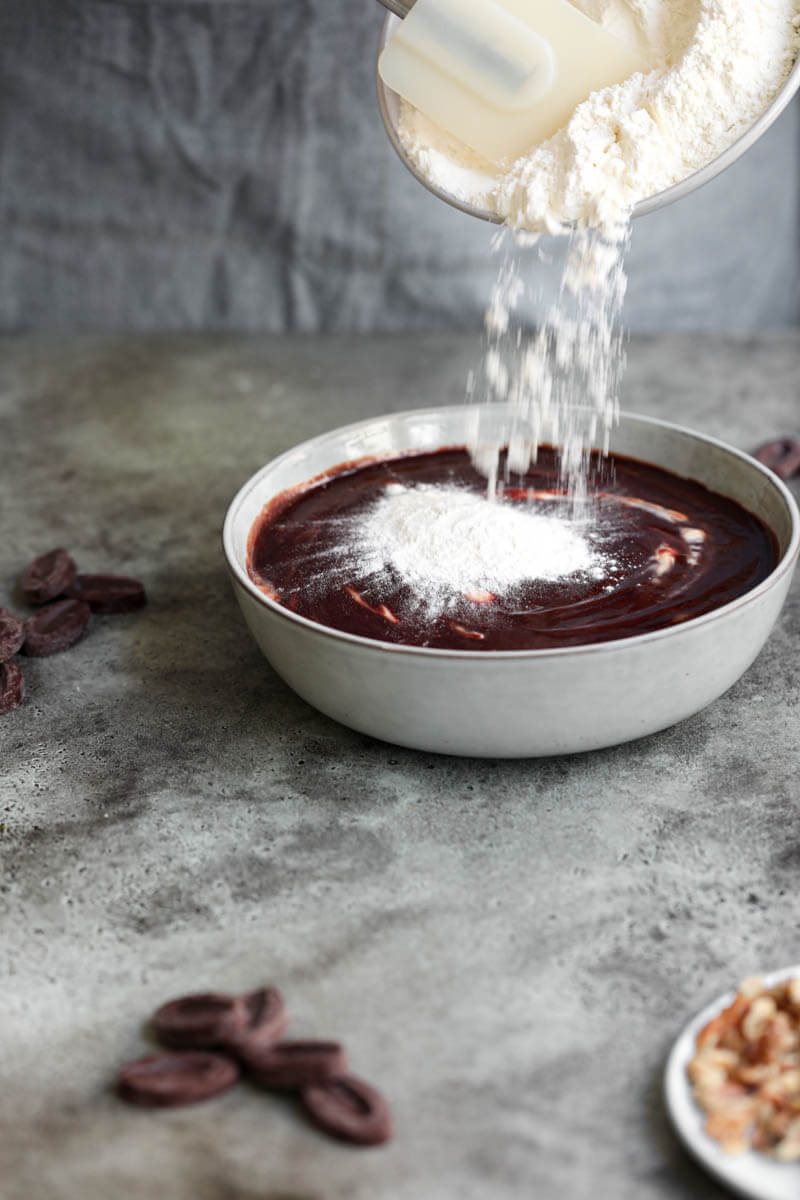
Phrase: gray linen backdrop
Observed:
(219, 164)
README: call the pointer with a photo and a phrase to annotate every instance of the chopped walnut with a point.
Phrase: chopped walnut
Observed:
(745, 1073)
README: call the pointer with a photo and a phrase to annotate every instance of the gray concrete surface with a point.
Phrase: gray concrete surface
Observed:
(507, 948)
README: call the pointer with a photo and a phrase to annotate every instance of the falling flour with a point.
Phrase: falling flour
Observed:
(715, 66)
(560, 382)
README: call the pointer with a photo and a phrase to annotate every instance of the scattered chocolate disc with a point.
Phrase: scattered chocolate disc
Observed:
(47, 576)
(781, 455)
(12, 687)
(292, 1066)
(12, 633)
(108, 593)
(265, 1022)
(55, 627)
(250, 1026)
(168, 1080)
(198, 1022)
(349, 1109)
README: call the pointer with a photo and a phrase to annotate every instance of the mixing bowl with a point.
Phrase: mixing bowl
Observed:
(516, 703)
(389, 104)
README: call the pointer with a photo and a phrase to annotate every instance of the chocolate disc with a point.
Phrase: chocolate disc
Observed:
(349, 1109)
(292, 1066)
(12, 633)
(12, 687)
(198, 1022)
(264, 1021)
(108, 593)
(781, 455)
(47, 576)
(55, 627)
(168, 1080)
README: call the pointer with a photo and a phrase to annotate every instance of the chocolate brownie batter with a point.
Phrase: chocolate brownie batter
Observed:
(670, 548)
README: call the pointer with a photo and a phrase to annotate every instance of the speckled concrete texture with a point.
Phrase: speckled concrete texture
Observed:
(507, 948)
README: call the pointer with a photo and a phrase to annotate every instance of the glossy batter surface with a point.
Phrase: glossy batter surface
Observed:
(672, 550)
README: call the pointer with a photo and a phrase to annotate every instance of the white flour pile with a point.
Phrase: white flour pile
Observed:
(449, 544)
(716, 65)
(422, 532)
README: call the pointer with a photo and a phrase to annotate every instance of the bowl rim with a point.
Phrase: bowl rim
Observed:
(239, 573)
(649, 204)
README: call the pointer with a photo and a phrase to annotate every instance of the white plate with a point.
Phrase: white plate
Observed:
(753, 1175)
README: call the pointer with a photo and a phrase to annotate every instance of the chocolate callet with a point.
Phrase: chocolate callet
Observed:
(349, 1109)
(782, 455)
(12, 633)
(56, 627)
(199, 1021)
(170, 1079)
(109, 593)
(265, 1022)
(292, 1066)
(12, 687)
(47, 576)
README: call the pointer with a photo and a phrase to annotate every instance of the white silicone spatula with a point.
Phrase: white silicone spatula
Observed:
(502, 75)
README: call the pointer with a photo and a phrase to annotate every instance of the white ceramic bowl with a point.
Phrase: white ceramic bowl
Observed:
(508, 704)
(389, 105)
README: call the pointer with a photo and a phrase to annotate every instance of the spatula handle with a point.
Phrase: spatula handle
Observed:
(400, 8)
